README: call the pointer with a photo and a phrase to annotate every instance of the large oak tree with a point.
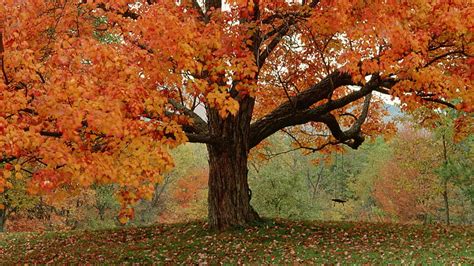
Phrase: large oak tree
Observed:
(104, 82)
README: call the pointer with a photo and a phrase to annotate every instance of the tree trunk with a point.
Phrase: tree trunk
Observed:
(229, 194)
(101, 210)
(445, 181)
(446, 201)
(3, 219)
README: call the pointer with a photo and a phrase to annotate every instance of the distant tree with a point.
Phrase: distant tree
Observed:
(407, 187)
(105, 200)
(190, 160)
(288, 183)
(371, 158)
(15, 200)
(186, 200)
(456, 155)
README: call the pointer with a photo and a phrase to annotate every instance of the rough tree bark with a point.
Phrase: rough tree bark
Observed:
(229, 194)
(446, 201)
(3, 219)
(445, 182)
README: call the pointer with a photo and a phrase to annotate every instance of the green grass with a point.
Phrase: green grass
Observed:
(273, 242)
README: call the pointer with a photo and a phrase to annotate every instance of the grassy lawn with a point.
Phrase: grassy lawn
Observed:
(270, 242)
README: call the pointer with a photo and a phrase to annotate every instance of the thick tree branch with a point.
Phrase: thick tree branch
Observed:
(52, 134)
(353, 137)
(198, 8)
(213, 4)
(448, 104)
(285, 115)
(199, 124)
(425, 97)
(204, 138)
(363, 116)
(7, 159)
(292, 110)
(280, 32)
(273, 43)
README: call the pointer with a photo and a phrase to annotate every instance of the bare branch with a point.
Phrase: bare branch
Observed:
(282, 31)
(2, 50)
(349, 114)
(52, 134)
(445, 103)
(447, 54)
(198, 8)
(7, 159)
(199, 124)
(363, 116)
(429, 97)
(304, 147)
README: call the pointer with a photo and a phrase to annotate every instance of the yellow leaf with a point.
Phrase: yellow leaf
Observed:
(6, 174)
(123, 219)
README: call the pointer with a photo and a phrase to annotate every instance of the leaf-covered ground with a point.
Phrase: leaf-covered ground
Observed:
(270, 242)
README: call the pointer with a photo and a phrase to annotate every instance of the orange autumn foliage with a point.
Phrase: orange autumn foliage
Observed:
(189, 189)
(71, 106)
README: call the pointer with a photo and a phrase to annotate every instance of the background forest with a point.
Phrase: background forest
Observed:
(421, 174)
